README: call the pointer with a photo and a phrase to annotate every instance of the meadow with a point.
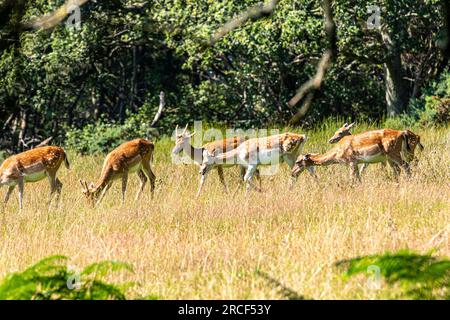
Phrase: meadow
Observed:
(278, 244)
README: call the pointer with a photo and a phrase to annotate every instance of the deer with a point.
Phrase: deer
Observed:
(213, 148)
(374, 146)
(255, 152)
(413, 141)
(133, 156)
(33, 166)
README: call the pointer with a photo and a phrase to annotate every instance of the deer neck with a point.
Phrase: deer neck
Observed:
(323, 159)
(102, 182)
(196, 154)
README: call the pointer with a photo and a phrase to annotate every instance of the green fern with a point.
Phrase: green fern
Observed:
(420, 276)
(51, 279)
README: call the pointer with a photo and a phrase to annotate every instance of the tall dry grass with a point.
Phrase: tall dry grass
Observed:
(280, 243)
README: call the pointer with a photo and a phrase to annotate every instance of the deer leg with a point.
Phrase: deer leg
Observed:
(202, 182)
(407, 168)
(55, 186)
(248, 178)
(148, 171)
(258, 177)
(242, 171)
(354, 172)
(59, 186)
(363, 168)
(397, 161)
(395, 168)
(124, 186)
(221, 178)
(143, 179)
(21, 187)
(290, 162)
(103, 193)
(51, 180)
(8, 194)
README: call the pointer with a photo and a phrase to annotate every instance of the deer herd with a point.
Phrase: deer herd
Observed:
(377, 146)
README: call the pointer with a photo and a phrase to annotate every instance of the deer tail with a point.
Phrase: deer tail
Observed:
(66, 160)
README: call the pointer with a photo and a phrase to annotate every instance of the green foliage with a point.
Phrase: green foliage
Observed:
(99, 138)
(437, 104)
(420, 276)
(52, 279)
(113, 67)
(433, 106)
(3, 155)
(102, 137)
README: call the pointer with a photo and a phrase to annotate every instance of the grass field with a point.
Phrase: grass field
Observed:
(276, 244)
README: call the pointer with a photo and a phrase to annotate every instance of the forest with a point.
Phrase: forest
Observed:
(81, 70)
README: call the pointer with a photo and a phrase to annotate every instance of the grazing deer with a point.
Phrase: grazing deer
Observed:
(32, 166)
(413, 142)
(257, 151)
(368, 147)
(129, 157)
(214, 148)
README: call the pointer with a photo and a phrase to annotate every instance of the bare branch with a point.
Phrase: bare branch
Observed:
(162, 104)
(44, 143)
(308, 88)
(50, 20)
(253, 13)
(315, 82)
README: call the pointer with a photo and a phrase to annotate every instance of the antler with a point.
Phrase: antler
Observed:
(185, 128)
(84, 184)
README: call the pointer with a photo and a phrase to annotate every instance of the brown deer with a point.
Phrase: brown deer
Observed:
(129, 157)
(213, 148)
(413, 142)
(32, 166)
(375, 146)
(250, 154)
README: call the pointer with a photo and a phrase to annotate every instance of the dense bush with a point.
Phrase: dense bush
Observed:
(437, 101)
(433, 106)
(104, 136)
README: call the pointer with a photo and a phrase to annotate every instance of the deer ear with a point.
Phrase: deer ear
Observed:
(345, 125)
(350, 125)
(306, 156)
(91, 186)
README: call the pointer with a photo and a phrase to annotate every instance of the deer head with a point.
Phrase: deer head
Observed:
(88, 191)
(182, 139)
(303, 162)
(341, 132)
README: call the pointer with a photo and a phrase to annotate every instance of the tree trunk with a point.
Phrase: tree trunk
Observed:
(396, 89)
